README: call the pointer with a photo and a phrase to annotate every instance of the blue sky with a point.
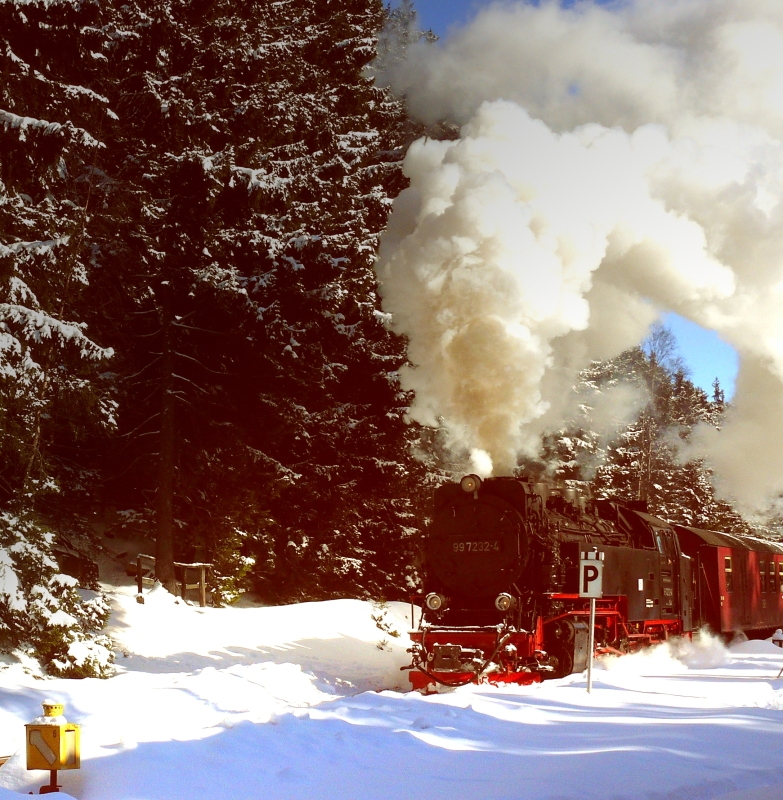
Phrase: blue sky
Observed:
(440, 14)
(706, 355)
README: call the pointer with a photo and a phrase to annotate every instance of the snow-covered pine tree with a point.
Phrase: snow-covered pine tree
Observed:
(250, 175)
(327, 171)
(52, 397)
(171, 301)
(641, 462)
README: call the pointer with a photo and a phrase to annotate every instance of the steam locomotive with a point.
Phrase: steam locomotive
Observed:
(501, 601)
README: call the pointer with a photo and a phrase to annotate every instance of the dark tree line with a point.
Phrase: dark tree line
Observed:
(190, 201)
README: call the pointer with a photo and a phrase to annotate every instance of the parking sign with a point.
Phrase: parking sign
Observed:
(591, 575)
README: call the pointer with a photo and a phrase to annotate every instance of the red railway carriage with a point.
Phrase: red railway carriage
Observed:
(738, 581)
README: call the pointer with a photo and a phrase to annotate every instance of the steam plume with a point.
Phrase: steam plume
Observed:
(614, 163)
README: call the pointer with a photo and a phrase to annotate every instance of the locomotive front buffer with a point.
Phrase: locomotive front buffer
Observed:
(444, 657)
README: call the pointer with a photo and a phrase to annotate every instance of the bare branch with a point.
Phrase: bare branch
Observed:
(136, 375)
(201, 330)
(196, 361)
(130, 433)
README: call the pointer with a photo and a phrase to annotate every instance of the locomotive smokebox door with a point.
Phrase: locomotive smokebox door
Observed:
(447, 657)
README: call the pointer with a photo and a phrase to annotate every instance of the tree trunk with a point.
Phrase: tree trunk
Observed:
(164, 517)
(645, 458)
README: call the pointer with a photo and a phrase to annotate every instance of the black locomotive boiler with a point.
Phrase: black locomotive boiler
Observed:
(501, 599)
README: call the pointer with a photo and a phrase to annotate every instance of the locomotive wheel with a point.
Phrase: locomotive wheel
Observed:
(562, 631)
(561, 659)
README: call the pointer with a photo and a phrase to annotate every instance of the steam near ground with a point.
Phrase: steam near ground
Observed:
(305, 702)
(674, 657)
(615, 162)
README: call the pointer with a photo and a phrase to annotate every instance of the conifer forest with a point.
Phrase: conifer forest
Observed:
(192, 343)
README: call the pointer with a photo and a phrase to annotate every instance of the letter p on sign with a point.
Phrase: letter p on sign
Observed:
(591, 575)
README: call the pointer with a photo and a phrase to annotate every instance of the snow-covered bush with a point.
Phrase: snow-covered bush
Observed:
(42, 612)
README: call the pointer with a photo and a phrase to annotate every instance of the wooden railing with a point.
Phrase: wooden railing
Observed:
(148, 576)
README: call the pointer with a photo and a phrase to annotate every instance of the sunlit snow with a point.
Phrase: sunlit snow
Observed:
(304, 701)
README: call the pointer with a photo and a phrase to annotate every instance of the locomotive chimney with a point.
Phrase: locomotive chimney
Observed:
(542, 490)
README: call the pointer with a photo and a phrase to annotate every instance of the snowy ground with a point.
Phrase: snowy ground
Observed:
(304, 702)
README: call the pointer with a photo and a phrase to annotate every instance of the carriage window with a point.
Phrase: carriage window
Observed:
(772, 586)
(780, 576)
(729, 577)
(763, 575)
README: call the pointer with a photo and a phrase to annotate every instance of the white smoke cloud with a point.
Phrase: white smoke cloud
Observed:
(614, 163)
(481, 462)
(665, 61)
(610, 411)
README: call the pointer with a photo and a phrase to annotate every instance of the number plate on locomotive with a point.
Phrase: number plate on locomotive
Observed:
(476, 546)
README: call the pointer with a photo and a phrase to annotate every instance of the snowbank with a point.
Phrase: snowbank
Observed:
(5, 794)
(298, 702)
(336, 641)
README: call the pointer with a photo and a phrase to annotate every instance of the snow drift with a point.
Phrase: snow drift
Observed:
(272, 702)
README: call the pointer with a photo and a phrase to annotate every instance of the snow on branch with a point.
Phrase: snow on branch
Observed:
(282, 471)
(72, 90)
(33, 248)
(258, 178)
(68, 130)
(23, 66)
(20, 292)
(38, 327)
(48, 3)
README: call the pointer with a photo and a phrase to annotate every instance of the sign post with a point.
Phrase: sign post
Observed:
(591, 578)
